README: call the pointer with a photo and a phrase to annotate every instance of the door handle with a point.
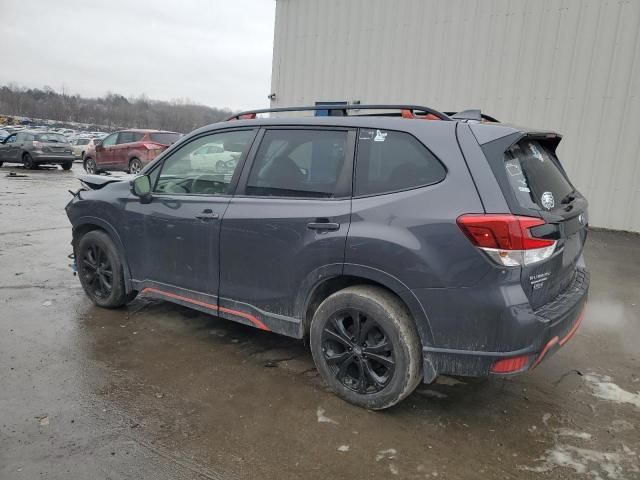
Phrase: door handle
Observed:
(208, 214)
(323, 226)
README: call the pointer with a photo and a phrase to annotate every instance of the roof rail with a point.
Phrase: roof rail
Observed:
(407, 111)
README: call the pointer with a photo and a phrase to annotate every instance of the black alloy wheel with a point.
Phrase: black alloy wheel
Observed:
(98, 271)
(358, 351)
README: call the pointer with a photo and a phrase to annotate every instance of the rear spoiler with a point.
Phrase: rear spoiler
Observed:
(472, 115)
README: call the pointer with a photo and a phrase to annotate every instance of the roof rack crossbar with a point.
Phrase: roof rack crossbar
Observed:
(411, 108)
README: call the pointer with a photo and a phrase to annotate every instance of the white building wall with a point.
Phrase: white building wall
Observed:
(568, 65)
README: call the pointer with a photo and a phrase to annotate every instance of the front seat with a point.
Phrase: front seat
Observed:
(282, 173)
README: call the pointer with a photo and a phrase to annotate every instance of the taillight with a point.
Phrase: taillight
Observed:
(507, 239)
(510, 365)
(38, 145)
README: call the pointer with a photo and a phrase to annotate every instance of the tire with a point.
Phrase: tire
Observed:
(28, 162)
(394, 361)
(100, 270)
(90, 166)
(67, 165)
(135, 166)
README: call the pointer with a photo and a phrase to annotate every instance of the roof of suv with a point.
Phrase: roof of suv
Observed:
(484, 128)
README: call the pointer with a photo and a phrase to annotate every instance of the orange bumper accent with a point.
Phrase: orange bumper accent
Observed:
(559, 342)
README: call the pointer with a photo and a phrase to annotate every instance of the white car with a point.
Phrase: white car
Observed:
(214, 158)
(81, 146)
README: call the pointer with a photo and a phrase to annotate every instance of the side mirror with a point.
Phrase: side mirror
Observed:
(141, 187)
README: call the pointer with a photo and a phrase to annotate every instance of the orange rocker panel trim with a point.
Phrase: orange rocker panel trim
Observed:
(256, 322)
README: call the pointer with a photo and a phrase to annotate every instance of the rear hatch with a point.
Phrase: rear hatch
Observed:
(53, 143)
(541, 188)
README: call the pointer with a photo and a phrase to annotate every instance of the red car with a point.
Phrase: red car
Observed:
(128, 150)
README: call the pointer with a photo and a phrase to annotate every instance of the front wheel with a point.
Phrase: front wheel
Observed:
(67, 165)
(135, 166)
(100, 270)
(366, 347)
(90, 166)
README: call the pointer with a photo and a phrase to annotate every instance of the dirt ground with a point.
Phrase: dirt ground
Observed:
(159, 391)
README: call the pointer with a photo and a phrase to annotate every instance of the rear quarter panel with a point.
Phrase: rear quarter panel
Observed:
(412, 235)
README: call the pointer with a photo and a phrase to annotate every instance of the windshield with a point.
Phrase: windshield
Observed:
(165, 138)
(535, 175)
(51, 137)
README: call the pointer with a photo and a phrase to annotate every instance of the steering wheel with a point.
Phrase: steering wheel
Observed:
(174, 187)
(208, 187)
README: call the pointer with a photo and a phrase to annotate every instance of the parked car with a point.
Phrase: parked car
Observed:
(80, 146)
(128, 150)
(32, 149)
(215, 158)
(402, 248)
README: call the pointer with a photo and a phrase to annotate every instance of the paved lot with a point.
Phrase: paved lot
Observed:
(159, 391)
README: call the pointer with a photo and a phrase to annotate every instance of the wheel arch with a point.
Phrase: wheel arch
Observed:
(362, 275)
(85, 225)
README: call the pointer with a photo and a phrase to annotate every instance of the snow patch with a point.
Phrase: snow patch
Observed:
(343, 448)
(322, 418)
(389, 453)
(602, 386)
(567, 432)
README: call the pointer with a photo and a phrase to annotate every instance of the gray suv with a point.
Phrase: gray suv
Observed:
(404, 243)
(32, 149)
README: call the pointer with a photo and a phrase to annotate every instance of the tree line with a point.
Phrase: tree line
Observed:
(112, 111)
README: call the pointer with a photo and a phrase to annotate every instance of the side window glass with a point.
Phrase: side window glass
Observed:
(389, 161)
(204, 166)
(110, 140)
(11, 139)
(298, 163)
(20, 137)
(125, 137)
(136, 136)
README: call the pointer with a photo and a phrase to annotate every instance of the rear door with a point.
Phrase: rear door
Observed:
(541, 187)
(287, 226)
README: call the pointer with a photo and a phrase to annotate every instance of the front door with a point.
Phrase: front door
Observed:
(173, 241)
(285, 229)
(104, 151)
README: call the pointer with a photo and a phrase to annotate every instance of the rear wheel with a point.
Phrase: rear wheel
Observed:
(67, 165)
(366, 347)
(90, 165)
(135, 166)
(100, 270)
(28, 163)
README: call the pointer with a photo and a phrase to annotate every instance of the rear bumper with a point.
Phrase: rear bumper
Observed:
(52, 157)
(556, 322)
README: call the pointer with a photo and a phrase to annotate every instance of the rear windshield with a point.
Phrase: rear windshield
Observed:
(82, 141)
(165, 138)
(535, 175)
(51, 137)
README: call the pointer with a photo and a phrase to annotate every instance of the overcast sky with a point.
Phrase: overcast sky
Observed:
(216, 52)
